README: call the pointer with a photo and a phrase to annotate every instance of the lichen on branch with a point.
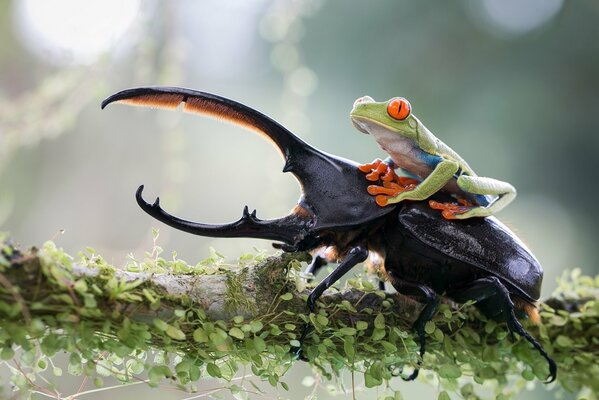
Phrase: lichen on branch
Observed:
(208, 319)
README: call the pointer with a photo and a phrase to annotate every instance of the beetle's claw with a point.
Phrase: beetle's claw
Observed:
(299, 352)
(412, 376)
(552, 371)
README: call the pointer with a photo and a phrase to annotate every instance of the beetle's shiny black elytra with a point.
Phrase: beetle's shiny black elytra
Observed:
(425, 255)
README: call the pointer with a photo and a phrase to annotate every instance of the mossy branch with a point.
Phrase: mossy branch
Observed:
(212, 317)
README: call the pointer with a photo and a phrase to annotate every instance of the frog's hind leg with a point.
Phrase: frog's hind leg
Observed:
(485, 186)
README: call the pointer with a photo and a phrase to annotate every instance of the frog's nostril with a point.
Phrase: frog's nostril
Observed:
(364, 99)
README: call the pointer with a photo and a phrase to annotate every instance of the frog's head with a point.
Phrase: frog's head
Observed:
(381, 118)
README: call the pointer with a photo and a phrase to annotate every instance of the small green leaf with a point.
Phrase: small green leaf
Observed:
(200, 336)
(347, 331)
(80, 286)
(429, 327)
(450, 371)
(213, 370)
(379, 321)
(378, 334)
(322, 320)
(371, 381)
(256, 326)
(7, 353)
(349, 349)
(175, 333)
(528, 375)
(361, 325)
(443, 396)
(286, 296)
(273, 380)
(236, 333)
(259, 344)
(564, 341)
(160, 324)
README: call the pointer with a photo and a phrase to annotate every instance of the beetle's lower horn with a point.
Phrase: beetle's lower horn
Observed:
(290, 229)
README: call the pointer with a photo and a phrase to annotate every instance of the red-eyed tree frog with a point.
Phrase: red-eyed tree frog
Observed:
(414, 149)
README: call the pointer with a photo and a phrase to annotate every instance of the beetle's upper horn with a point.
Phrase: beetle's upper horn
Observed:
(211, 105)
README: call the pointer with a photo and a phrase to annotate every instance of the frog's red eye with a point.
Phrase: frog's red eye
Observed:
(399, 108)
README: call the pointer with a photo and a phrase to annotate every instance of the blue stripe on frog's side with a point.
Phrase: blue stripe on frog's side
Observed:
(483, 200)
(429, 159)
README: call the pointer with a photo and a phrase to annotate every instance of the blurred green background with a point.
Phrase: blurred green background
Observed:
(510, 85)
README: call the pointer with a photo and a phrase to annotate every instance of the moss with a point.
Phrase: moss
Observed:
(109, 321)
(237, 298)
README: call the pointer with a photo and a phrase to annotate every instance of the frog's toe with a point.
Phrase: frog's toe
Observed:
(472, 212)
(370, 166)
(382, 200)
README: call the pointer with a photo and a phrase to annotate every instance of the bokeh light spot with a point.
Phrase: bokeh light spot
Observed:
(73, 31)
(512, 18)
(303, 81)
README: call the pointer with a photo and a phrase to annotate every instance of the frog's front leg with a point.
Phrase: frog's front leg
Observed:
(485, 186)
(437, 179)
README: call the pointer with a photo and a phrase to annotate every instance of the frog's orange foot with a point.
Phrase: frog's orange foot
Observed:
(381, 169)
(450, 210)
(388, 191)
(370, 166)
(390, 176)
(382, 200)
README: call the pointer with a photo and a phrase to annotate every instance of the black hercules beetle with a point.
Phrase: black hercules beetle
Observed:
(424, 255)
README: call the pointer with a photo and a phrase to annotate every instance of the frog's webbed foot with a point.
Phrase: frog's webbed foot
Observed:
(457, 210)
(378, 169)
(392, 184)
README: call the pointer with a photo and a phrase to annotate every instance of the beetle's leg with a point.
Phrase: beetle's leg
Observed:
(491, 287)
(422, 292)
(317, 263)
(355, 256)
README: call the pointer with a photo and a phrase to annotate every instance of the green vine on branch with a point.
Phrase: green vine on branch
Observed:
(157, 319)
